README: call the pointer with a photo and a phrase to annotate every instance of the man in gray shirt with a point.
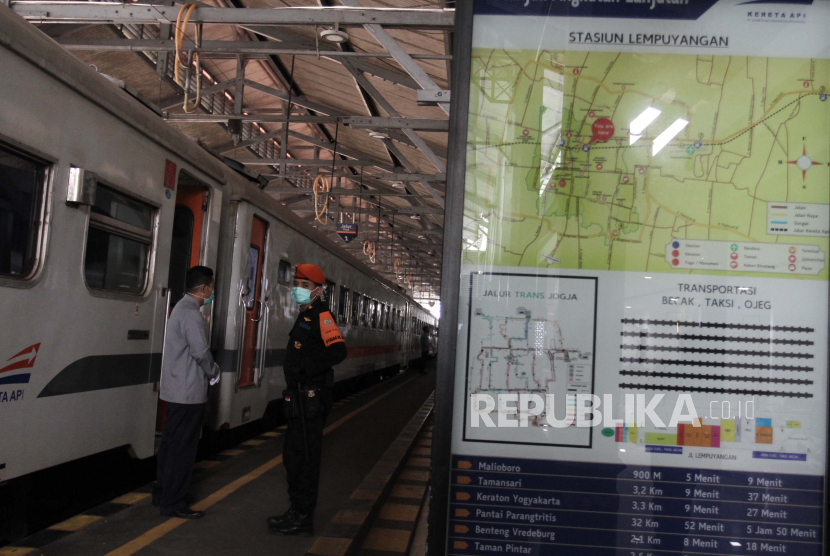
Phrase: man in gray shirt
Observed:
(186, 369)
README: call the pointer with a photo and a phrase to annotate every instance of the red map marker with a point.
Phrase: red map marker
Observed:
(602, 130)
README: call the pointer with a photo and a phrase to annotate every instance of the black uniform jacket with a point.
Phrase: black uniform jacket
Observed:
(315, 345)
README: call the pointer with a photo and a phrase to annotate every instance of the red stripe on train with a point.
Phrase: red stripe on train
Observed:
(368, 351)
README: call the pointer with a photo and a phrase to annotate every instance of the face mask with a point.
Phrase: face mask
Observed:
(301, 295)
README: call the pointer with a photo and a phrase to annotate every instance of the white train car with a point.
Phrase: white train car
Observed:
(103, 207)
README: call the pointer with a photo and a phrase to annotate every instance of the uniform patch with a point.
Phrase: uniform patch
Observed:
(328, 329)
(298, 345)
(305, 326)
(306, 319)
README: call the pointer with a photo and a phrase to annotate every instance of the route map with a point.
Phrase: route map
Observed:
(532, 335)
(557, 178)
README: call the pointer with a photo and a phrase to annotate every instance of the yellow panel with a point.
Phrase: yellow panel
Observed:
(632, 435)
(661, 439)
(727, 430)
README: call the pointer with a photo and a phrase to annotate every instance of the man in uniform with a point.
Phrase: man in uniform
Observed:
(315, 345)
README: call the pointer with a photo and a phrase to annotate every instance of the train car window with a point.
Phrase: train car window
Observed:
(22, 190)
(356, 314)
(381, 316)
(393, 317)
(343, 305)
(118, 242)
(367, 311)
(330, 301)
(284, 275)
(251, 270)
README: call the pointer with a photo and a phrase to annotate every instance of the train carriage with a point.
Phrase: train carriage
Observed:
(103, 208)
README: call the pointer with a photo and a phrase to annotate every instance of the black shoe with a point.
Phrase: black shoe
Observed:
(185, 513)
(298, 524)
(275, 520)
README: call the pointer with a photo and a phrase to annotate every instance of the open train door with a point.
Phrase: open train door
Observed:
(254, 307)
(245, 338)
(187, 248)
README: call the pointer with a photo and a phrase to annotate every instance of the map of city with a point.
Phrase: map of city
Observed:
(607, 160)
(532, 335)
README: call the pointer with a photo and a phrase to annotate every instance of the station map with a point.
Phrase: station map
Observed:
(555, 180)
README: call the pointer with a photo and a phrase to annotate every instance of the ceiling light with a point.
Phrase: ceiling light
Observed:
(399, 185)
(422, 237)
(378, 135)
(334, 35)
(415, 217)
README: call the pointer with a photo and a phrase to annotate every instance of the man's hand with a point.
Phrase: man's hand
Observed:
(218, 372)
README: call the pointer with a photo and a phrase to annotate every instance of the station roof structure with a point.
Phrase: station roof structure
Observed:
(356, 91)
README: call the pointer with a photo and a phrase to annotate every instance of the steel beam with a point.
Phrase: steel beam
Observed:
(138, 13)
(343, 192)
(279, 34)
(329, 146)
(217, 88)
(305, 163)
(416, 124)
(397, 51)
(400, 123)
(226, 49)
(411, 177)
(323, 109)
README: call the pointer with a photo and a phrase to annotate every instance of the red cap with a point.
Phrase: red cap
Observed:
(310, 272)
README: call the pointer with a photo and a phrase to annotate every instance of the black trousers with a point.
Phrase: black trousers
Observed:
(177, 454)
(304, 474)
(422, 362)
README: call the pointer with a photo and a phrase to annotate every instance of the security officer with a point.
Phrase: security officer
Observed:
(315, 345)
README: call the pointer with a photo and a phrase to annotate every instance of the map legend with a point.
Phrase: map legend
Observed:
(745, 257)
(798, 219)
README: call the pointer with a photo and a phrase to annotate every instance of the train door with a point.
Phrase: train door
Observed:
(404, 335)
(186, 247)
(254, 307)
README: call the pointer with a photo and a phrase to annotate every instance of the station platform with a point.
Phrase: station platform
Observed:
(374, 479)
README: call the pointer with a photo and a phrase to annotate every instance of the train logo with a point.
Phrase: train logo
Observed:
(22, 360)
(328, 322)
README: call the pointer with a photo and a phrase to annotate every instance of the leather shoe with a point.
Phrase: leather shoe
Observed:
(185, 513)
(298, 524)
(275, 520)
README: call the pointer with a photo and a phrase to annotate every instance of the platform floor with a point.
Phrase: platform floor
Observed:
(239, 488)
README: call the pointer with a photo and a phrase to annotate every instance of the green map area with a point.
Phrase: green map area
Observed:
(546, 187)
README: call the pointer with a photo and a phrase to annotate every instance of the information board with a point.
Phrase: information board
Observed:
(646, 222)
